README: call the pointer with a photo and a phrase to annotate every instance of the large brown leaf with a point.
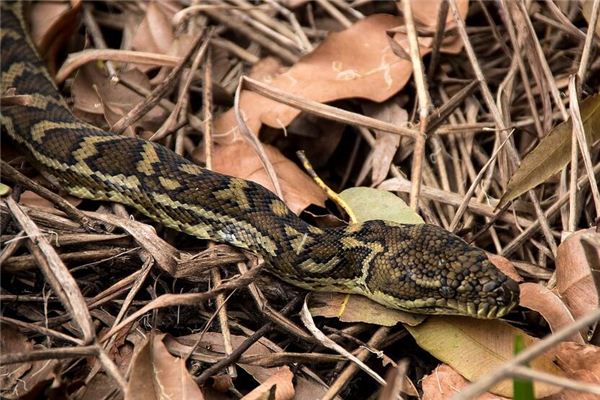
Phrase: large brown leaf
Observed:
(355, 63)
(475, 347)
(156, 374)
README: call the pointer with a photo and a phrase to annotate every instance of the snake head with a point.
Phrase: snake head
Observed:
(426, 269)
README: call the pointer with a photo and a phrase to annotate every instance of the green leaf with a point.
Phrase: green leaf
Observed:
(4, 190)
(370, 204)
(522, 388)
(553, 152)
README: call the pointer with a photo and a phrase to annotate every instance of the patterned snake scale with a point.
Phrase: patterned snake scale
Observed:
(417, 268)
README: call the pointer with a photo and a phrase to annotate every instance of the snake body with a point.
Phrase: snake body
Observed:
(418, 268)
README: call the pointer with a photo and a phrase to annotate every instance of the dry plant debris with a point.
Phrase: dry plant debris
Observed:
(491, 127)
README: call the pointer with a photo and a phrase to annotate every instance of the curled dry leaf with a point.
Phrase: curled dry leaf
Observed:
(553, 152)
(156, 374)
(581, 363)
(278, 387)
(352, 308)
(475, 347)
(239, 159)
(505, 266)
(211, 349)
(539, 298)
(577, 269)
(337, 69)
(444, 382)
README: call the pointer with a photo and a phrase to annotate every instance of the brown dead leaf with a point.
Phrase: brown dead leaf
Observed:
(505, 266)
(355, 63)
(278, 387)
(582, 363)
(239, 159)
(444, 382)
(156, 374)
(577, 270)
(539, 298)
(52, 25)
(20, 380)
(352, 308)
(93, 93)
(337, 69)
(475, 347)
(155, 32)
(12, 341)
(212, 349)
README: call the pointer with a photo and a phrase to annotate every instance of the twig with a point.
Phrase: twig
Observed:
(463, 207)
(149, 102)
(343, 378)
(252, 139)
(323, 110)
(55, 272)
(241, 349)
(17, 177)
(580, 138)
(176, 112)
(424, 105)
(438, 38)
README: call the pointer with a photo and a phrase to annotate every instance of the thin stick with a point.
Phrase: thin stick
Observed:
(580, 138)
(528, 373)
(465, 203)
(252, 139)
(323, 110)
(149, 102)
(55, 272)
(424, 105)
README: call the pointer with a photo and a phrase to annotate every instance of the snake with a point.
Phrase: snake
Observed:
(420, 268)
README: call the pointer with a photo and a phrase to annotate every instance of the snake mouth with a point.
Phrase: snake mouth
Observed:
(452, 307)
(480, 311)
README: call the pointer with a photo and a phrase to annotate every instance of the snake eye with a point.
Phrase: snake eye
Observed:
(447, 292)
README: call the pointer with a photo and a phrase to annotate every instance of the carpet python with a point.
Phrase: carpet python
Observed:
(416, 268)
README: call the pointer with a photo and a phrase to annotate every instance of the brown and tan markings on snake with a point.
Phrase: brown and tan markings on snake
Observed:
(418, 268)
